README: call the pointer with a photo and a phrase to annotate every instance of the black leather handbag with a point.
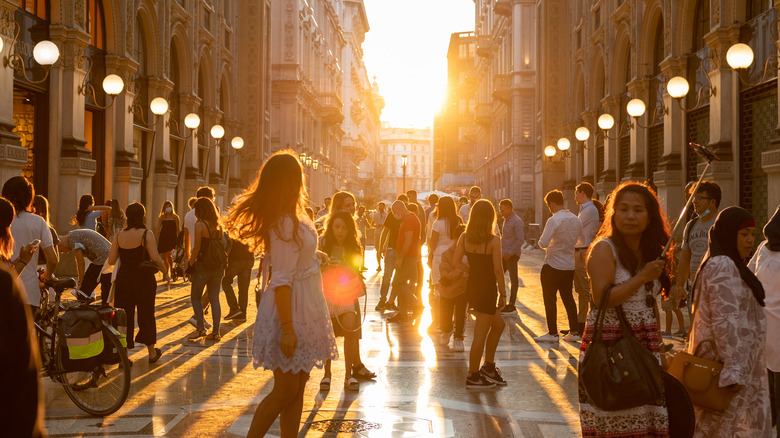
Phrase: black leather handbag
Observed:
(622, 373)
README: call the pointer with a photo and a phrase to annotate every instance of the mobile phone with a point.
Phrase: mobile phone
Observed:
(36, 242)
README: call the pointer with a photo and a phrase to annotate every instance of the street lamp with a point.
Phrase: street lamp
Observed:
(217, 132)
(236, 143)
(45, 53)
(404, 158)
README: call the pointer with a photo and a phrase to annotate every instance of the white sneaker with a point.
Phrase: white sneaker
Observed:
(457, 345)
(195, 323)
(546, 338)
(445, 338)
(572, 338)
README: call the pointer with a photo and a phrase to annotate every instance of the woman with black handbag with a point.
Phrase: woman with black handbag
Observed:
(135, 284)
(624, 269)
(729, 324)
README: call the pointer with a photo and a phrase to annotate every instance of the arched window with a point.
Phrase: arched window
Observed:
(39, 8)
(96, 26)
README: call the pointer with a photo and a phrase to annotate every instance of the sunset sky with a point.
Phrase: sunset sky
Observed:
(406, 49)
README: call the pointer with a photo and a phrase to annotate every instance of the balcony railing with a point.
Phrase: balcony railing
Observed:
(332, 108)
(502, 87)
(484, 46)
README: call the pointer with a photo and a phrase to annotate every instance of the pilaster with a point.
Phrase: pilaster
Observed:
(13, 156)
(636, 164)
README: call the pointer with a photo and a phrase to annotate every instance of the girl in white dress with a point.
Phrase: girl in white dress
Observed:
(293, 333)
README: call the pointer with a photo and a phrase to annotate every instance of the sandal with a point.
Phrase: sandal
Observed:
(352, 384)
(325, 383)
(197, 335)
(213, 336)
(156, 357)
(362, 373)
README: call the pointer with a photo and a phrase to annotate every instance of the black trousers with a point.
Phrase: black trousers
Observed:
(91, 278)
(243, 270)
(511, 266)
(136, 291)
(554, 281)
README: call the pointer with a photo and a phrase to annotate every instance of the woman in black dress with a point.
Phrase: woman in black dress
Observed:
(485, 290)
(134, 285)
(167, 229)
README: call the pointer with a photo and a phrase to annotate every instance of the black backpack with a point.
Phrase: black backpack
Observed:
(216, 255)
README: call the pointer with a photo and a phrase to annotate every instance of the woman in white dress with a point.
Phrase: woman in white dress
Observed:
(293, 333)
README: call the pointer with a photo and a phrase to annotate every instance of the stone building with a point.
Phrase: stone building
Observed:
(608, 53)
(61, 130)
(454, 127)
(406, 160)
(505, 91)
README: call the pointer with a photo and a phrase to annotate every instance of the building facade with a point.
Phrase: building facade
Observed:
(617, 51)
(454, 127)
(59, 128)
(406, 159)
(505, 98)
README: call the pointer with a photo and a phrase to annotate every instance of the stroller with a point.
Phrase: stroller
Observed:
(179, 262)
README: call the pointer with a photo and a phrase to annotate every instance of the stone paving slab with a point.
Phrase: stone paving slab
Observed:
(211, 388)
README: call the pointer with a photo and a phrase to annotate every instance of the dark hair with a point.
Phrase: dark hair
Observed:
(41, 207)
(162, 209)
(600, 208)
(445, 210)
(116, 212)
(382, 204)
(482, 221)
(713, 190)
(206, 211)
(205, 192)
(403, 198)
(136, 216)
(279, 190)
(338, 201)
(411, 193)
(191, 202)
(310, 212)
(7, 214)
(433, 198)
(19, 192)
(555, 196)
(351, 244)
(475, 189)
(507, 202)
(413, 208)
(463, 200)
(85, 202)
(585, 187)
(654, 237)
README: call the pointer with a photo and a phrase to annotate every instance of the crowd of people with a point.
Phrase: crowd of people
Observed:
(312, 262)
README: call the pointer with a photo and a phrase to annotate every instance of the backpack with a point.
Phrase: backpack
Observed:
(216, 255)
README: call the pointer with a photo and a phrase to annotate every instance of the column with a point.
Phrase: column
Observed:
(119, 134)
(586, 151)
(187, 180)
(668, 178)
(636, 164)
(608, 179)
(161, 177)
(210, 175)
(770, 162)
(13, 156)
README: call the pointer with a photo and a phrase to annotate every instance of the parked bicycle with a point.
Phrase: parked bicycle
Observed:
(99, 385)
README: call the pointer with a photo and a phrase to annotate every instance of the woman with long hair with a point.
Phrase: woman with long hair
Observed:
(135, 287)
(485, 290)
(627, 253)
(728, 302)
(88, 213)
(292, 333)
(340, 243)
(167, 229)
(7, 214)
(207, 228)
(116, 220)
(40, 207)
(444, 233)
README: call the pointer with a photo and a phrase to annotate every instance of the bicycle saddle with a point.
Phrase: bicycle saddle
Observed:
(60, 285)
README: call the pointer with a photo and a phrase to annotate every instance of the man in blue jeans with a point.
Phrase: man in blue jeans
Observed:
(512, 238)
(240, 263)
(387, 241)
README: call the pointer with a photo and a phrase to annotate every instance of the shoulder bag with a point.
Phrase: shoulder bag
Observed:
(147, 265)
(701, 377)
(622, 373)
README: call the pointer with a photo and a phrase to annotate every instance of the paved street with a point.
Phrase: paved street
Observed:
(211, 389)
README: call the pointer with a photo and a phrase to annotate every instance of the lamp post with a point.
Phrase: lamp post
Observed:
(217, 132)
(236, 143)
(404, 158)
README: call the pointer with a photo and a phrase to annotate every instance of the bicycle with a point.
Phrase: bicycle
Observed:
(101, 390)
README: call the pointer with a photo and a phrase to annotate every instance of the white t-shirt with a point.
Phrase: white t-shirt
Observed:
(189, 224)
(25, 228)
(445, 241)
(464, 212)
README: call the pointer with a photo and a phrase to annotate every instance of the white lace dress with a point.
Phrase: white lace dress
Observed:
(294, 264)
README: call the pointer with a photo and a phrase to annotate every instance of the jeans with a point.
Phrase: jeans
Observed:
(243, 270)
(447, 306)
(203, 278)
(554, 281)
(581, 285)
(511, 266)
(404, 283)
(388, 276)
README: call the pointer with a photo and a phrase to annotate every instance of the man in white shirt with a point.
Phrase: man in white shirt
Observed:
(475, 194)
(589, 218)
(558, 239)
(189, 242)
(378, 220)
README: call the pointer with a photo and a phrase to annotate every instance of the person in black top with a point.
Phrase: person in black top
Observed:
(387, 242)
(240, 263)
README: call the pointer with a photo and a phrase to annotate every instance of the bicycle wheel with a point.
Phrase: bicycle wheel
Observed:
(103, 390)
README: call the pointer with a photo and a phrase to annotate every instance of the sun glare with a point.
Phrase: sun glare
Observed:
(406, 49)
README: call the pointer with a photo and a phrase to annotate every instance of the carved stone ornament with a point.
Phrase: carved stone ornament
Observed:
(78, 13)
(74, 57)
(716, 13)
(129, 26)
(289, 27)
(6, 22)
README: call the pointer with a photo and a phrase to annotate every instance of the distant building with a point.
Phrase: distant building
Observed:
(454, 129)
(416, 146)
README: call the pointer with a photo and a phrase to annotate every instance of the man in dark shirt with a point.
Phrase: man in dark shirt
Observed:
(407, 258)
(387, 242)
(240, 263)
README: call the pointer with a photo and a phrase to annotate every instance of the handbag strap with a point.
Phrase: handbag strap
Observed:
(690, 332)
(602, 312)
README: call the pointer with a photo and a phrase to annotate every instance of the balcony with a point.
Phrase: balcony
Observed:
(354, 148)
(332, 108)
(503, 7)
(485, 46)
(502, 87)
(483, 114)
